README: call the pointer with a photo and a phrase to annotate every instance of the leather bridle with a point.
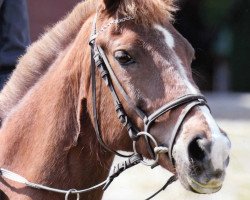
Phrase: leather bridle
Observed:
(100, 61)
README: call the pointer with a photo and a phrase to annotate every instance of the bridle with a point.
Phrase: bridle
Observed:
(100, 61)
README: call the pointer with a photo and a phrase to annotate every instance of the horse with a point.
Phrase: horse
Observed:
(62, 123)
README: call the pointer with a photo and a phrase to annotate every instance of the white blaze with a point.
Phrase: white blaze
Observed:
(168, 36)
(169, 39)
(220, 144)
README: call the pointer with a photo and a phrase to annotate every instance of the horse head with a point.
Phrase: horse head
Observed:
(151, 62)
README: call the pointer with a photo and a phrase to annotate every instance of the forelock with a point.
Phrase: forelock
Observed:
(147, 12)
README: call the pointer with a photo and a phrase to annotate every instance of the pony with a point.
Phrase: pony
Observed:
(60, 129)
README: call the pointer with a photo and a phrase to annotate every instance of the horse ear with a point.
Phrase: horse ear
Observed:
(110, 6)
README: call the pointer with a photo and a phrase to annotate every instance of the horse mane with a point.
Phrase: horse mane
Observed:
(41, 55)
(146, 12)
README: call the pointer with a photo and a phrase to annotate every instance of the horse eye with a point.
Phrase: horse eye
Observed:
(124, 58)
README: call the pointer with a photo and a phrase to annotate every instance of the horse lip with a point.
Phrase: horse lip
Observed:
(202, 188)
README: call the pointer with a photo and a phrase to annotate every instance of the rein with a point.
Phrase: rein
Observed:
(100, 61)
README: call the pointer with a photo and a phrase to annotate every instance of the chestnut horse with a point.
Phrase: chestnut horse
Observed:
(60, 129)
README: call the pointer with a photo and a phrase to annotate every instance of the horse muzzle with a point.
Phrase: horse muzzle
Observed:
(201, 164)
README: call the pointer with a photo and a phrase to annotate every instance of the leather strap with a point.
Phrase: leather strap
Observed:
(95, 115)
(178, 124)
(170, 181)
(174, 104)
(186, 99)
(121, 167)
(131, 104)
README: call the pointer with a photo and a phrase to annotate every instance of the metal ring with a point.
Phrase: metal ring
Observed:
(155, 143)
(72, 191)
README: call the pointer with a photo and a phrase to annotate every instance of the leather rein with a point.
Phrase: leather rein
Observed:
(100, 62)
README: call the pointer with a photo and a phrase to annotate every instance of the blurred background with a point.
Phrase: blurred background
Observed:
(220, 33)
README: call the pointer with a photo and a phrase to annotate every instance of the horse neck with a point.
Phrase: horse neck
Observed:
(40, 139)
(40, 55)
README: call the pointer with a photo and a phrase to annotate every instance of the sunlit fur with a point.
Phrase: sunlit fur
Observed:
(41, 55)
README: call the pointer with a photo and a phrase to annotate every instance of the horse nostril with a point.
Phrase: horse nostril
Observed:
(196, 153)
(227, 161)
(218, 174)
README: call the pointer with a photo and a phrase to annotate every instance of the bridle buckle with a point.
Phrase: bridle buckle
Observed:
(72, 191)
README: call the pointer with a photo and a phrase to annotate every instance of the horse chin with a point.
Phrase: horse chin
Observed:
(196, 183)
(191, 184)
(202, 188)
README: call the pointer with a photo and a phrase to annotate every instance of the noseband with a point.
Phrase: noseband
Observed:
(100, 61)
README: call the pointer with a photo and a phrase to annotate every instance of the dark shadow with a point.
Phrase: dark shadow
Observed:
(3, 196)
